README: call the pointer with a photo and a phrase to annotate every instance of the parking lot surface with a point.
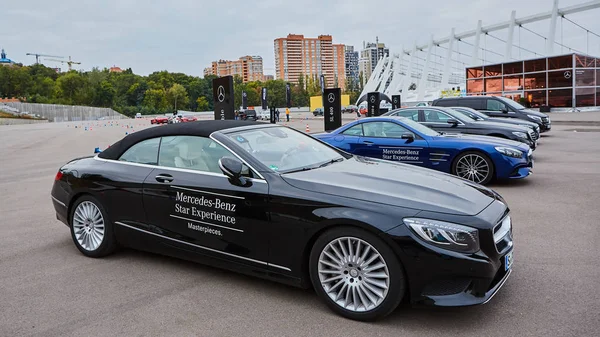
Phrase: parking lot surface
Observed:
(48, 288)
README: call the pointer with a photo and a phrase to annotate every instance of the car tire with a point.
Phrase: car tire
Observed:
(477, 161)
(355, 280)
(91, 229)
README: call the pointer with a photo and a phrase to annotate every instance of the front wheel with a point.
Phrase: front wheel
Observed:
(91, 230)
(474, 166)
(356, 274)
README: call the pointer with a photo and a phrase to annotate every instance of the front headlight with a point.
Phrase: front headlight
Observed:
(445, 235)
(535, 118)
(520, 134)
(509, 152)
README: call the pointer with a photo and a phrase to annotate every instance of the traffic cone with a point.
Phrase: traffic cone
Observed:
(307, 128)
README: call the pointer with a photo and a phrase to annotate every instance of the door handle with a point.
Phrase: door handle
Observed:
(367, 142)
(164, 178)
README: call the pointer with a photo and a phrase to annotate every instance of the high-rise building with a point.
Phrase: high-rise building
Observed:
(339, 66)
(313, 57)
(369, 56)
(351, 66)
(249, 68)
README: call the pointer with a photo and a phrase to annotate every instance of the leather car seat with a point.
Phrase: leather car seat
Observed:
(190, 158)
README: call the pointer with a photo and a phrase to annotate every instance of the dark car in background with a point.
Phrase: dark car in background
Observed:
(318, 112)
(498, 107)
(480, 116)
(249, 114)
(447, 120)
(351, 109)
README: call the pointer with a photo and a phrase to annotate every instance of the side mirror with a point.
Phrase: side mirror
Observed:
(232, 168)
(454, 122)
(408, 136)
(504, 110)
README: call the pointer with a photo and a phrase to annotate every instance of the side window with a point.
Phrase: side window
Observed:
(393, 130)
(384, 129)
(472, 103)
(494, 105)
(356, 130)
(410, 113)
(193, 153)
(144, 152)
(435, 116)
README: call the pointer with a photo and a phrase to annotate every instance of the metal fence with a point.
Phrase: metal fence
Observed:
(66, 113)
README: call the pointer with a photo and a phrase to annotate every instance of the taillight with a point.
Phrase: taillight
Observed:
(58, 176)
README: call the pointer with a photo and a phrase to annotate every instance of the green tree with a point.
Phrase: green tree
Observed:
(202, 104)
(156, 99)
(135, 94)
(104, 94)
(69, 86)
(177, 94)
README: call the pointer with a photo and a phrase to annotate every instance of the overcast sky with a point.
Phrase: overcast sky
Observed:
(186, 35)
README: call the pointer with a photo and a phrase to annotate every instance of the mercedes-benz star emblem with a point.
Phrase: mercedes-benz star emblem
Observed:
(331, 98)
(372, 99)
(220, 93)
(244, 94)
(567, 74)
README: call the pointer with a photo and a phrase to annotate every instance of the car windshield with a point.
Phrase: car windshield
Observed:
(457, 115)
(474, 114)
(418, 127)
(285, 150)
(512, 103)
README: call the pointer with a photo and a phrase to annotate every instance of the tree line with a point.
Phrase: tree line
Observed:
(158, 93)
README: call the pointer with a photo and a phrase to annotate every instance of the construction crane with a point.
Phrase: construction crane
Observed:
(37, 56)
(69, 62)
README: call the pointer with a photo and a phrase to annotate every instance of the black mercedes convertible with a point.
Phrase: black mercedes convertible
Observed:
(274, 202)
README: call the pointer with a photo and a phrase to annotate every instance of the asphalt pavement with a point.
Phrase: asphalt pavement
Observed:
(48, 288)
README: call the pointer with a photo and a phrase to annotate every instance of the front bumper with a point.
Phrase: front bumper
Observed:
(440, 277)
(546, 125)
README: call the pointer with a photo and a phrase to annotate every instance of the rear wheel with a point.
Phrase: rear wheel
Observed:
(474, 166)
(91, 230)
(356, 274)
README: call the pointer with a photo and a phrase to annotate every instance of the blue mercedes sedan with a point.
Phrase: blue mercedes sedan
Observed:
(476, 158)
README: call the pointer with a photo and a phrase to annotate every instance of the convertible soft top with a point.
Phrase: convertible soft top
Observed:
(200, 128)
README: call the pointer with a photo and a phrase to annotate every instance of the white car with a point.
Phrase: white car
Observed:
(263, 114)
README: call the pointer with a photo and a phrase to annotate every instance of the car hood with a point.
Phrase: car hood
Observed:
(484, 140)
(395, 184)
(533, 113)
(498, 126)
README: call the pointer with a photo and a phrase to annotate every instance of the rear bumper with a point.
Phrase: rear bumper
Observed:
(61, 210)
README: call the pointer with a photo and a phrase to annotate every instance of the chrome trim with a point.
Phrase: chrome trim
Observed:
(174, 169)
(205, 248)
(206, 223)
(439, 154)
(500, 284)
(58, 201)
(201, 191)
(433, 159)
(235, 154)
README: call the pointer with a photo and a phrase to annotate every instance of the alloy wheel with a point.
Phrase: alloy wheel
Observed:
(353, 274)
(88, 225)
(473, 167)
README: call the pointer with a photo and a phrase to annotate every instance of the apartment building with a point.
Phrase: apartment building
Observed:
(313, 57)
(249, 68)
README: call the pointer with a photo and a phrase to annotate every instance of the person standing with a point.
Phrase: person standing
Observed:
(287, 114)
(277, 115)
